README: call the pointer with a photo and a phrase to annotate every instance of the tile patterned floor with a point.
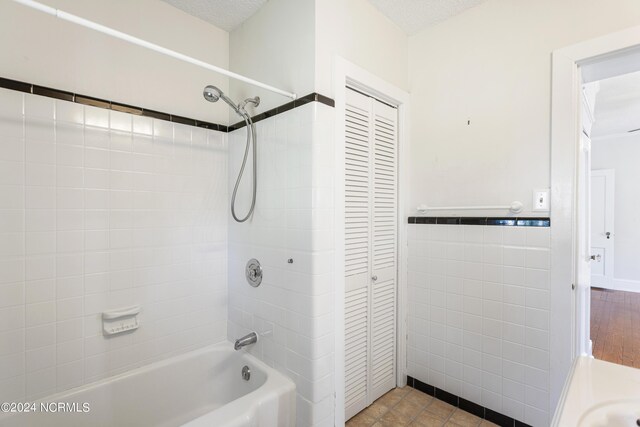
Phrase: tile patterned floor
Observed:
(407, 406)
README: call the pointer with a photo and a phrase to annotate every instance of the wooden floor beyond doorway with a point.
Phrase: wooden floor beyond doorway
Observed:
(615, 326)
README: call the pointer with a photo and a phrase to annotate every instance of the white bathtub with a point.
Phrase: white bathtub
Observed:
(201, 388)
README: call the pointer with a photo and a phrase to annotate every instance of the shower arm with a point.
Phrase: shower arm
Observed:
(148, 45)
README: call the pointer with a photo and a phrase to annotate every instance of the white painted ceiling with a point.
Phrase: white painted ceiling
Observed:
(414, 15)
(617, 106)
(410, 15)
(225, 14)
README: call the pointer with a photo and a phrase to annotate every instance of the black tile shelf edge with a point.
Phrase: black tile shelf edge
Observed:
(140, 111)
(464, 404)
(51, 93)
(467, 220)
(299, 102)
(15, 85)
(103, 103)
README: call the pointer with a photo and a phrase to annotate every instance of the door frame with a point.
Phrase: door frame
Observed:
(346, 74)
(610, 175)
(565, 146)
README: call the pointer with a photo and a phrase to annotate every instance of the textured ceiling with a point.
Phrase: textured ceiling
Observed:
(414, 15)
(410, 15)
(617, 106)
(225, 14)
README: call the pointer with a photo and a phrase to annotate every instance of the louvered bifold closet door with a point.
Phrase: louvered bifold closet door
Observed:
(357, 254)
(384, 249)
(370, 250)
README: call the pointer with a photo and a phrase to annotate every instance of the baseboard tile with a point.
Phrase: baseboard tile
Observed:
(466, 405)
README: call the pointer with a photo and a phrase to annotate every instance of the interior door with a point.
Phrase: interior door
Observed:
(583, 267)
(602, 211)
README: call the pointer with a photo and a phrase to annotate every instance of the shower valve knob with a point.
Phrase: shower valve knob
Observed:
(253, 272)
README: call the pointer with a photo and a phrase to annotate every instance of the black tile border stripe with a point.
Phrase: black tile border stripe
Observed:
(140, 111)
(468, 220)
(312, 97)
(464, 404)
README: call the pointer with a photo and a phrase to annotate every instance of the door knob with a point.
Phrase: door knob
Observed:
(608, 234)
(374, 277)
(596, 257)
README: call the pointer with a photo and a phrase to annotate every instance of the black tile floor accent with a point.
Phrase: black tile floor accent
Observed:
(445, 396)
(472, 408)
(466, 405)
(423, 387)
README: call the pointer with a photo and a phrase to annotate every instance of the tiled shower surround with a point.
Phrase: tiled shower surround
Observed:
(102, 210)
(479, 315)
(291, 234)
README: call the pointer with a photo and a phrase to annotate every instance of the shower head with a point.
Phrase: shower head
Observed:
(213, 94)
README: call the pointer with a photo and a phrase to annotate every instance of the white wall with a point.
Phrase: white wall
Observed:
(492, 65)
(622, 153)
(291, 44)
(292, 310)
(275, 46)
(38, 48)
(103, 210)
(358, 32)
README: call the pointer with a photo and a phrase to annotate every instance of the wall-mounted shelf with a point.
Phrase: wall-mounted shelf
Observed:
(120, 320)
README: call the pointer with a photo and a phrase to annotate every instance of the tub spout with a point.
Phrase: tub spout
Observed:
(250, 338)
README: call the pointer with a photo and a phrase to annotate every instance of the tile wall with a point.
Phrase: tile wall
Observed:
(100, 210)
(292, 310)
(479, 315)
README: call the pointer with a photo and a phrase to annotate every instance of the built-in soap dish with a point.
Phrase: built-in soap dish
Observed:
(120, 320)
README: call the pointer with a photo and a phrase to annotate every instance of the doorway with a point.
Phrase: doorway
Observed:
(350, 80)
(572, 66)
(613, 127)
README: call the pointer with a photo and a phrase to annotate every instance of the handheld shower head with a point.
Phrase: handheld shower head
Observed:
(212, 93)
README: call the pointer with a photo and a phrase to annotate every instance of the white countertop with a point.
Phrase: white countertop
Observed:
(599, 393)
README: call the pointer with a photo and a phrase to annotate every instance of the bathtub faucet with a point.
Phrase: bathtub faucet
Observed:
(250, 338)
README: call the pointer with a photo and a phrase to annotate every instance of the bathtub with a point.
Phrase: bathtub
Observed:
(201, 388)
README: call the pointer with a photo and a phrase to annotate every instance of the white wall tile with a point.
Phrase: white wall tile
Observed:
(12, 105)
(291, 221)
(40, 358)
(69, 250)
(505, 317)
(11, 365)
(12, 342)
